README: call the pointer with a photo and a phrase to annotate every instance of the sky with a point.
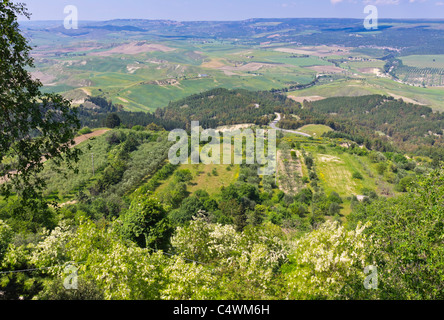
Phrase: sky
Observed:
(198, 10)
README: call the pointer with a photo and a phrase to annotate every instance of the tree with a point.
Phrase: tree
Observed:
(188, 209)
(334, 197)
(6, 235)
(410, 232)
(111, 268)
(174, 194)
(334, 209)
(404, 183)
(33, 126)
(112, 121)
(309, 162)
(147, 224)
(154, 127)
(257, 216)
(236, 211)
(328, 263)
(183, 175)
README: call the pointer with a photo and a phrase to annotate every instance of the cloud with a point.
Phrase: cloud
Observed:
(383, 2)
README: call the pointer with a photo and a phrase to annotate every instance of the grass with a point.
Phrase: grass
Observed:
(340, 88)
(424, 61)
(336, 174)
(204, 179)
(315, 129)
(432, 97)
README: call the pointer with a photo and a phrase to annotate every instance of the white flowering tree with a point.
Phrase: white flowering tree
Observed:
(245, 265)
(329, 263)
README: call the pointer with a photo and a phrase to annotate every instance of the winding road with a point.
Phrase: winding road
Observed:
(274, 123)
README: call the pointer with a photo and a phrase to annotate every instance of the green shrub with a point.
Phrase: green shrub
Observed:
(357, 175)
(85, 130)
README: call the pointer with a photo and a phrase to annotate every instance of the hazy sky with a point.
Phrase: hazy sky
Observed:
(183, 10)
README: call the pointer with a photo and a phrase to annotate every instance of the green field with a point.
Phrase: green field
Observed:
(335, 168)
(433, 97)
(149, 80)
(315, 130)
(424, 61)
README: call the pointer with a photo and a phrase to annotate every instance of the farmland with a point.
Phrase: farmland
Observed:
(359, 154)
(143, 71)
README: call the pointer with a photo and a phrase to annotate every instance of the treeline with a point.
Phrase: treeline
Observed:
(406, 124)
(96, 117)
(297, 86)
(379, 122)
(219, 107)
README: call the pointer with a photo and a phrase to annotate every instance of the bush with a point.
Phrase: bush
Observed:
(381, 167)
(137, 128)
(85, 130)
(357, 175)
(404, 184)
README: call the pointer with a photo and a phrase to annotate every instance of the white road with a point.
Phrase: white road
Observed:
(274, 123)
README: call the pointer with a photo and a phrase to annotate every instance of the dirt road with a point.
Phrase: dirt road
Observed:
(274, 123)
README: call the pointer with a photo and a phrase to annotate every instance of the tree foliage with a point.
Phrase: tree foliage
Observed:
(34, 126)
(410, 231)
(146, 223)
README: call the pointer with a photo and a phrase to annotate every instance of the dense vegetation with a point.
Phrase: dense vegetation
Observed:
(221, 240)
(218, 107)
(221, 107)
(379, 122)
(134, 226)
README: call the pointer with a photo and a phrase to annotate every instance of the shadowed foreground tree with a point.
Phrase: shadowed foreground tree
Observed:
(112, 121)
(34, 127)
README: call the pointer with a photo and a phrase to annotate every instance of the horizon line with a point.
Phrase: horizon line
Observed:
(235, 20)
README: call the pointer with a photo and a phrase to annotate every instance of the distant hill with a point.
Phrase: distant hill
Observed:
(410, 35)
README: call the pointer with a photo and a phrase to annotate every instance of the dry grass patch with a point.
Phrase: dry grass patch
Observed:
(134, 48)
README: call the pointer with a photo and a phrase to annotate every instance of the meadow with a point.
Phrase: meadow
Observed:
(424, 61)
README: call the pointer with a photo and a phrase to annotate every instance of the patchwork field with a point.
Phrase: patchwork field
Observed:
(143, 72)
(433, 97)
(335, 168)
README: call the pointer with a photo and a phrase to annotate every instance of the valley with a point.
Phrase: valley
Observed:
(356, 175)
